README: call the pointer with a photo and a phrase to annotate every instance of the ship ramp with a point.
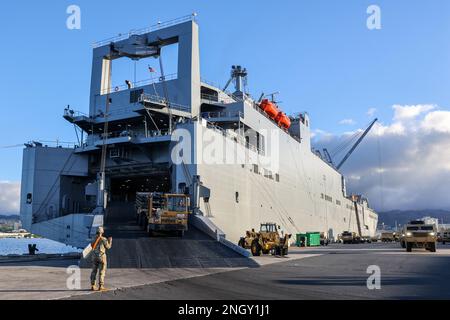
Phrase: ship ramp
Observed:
(133, 248)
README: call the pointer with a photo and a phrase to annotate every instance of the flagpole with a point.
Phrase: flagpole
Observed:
(153, 82)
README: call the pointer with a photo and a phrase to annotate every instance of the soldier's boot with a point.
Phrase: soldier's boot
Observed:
(102, 288)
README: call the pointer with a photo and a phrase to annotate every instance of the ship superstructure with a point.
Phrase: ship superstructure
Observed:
(241, 160)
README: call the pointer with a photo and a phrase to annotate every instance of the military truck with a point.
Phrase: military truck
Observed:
(417, 234)
(387, 236)
(397, 236)
(444, 236)
(267, 240)
(163, 212)
(350, 237)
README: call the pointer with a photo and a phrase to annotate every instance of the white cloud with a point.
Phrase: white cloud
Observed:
(9, 197)
(437, 121)
(404, 164)
(402, 113)
(371, 112)
(347, 122)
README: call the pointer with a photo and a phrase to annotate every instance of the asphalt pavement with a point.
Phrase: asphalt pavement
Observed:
(334, 272)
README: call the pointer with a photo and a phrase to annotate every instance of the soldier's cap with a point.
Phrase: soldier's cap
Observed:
(100, 230)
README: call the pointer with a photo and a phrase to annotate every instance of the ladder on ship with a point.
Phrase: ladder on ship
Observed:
(358, 223)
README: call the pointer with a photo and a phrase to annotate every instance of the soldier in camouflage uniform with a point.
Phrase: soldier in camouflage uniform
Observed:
(99, 247)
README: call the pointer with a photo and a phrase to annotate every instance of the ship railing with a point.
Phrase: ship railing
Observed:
(140, 83)
(133, 32)
(222, 114)
(134, 134)
(211, 83)
(113, 112)
(217, 99)
(228, 93)
(119, 111)
(73, 113)
(96, 138)
(236, 137)
(145, 97)
(52, 144)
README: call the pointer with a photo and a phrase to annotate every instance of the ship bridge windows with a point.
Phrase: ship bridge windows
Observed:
(209, 94)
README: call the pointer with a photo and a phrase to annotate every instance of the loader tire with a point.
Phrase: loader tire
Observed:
(256, 248)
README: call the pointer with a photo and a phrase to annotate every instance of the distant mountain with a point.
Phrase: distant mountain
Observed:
(403, 216)
(9, 217)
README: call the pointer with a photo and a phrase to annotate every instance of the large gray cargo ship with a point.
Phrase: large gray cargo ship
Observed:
(241, 160)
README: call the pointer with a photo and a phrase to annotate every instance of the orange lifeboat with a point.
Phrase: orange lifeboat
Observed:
(275, 114)
(279, 117)
(283, 120)
(270, 108)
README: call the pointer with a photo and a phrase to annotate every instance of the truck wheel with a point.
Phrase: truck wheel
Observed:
(408, 247)
(256, 248)
(402, 243)
(284, 251)
(241, 243)
(150, 233)
(432, 246)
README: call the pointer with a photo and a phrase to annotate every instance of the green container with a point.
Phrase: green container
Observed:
(310, 239)
(313, 239)
(298, 241)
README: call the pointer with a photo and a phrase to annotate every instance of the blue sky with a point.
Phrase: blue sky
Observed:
(319, 54)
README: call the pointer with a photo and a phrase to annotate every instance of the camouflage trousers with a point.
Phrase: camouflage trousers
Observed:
(98, 266)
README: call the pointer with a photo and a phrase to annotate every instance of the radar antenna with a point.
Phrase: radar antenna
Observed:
(239, 76)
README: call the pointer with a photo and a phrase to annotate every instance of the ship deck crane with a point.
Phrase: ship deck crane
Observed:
(356, 144)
